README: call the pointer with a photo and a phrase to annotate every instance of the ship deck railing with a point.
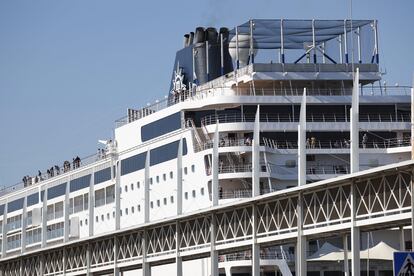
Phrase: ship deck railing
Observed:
(264, 255)
(312, 118)
(207, 92)
(38, 179)
(229, 194)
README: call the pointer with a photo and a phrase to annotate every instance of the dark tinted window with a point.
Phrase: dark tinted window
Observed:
(102, 175)
(15, 205)
(1, 210)
(80, 183)
(56, 191)
(161, 126)
(33, 199)
(133, 163)
(166, 152)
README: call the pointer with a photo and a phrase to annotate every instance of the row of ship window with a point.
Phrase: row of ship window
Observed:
(157, 178)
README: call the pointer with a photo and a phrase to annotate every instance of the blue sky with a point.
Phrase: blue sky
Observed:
(68, 69)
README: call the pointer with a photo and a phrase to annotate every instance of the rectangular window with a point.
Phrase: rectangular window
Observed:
(161, 127)
(56, 191)
(102, 176)
(99, 197)
(58, 210)
(110, 194)
(86, 201)
(80, 183)
(78, 204)
(32, 199)
(166, 152)
(15, 205)
(50, 212)
(133, 163)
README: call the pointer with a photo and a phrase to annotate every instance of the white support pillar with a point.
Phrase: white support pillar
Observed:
(355, 125)
(346, 43)
(117, 194)
(302, 142)
(256, 155)
(282, 46)
(301, 266)
(91, 206)
(402, 239)
(355, 237)
(346, 264)
(314, 41)
(178, 258)
(251, 52)
(146, 267)
(412, 121)
(215, 168)
(24, 225)
(44, 218)
(255, 245)
(116, 271)
(359, 45)
(4, 231)
(213, 251)
(66, 228)
(147, 188)
(179, 187)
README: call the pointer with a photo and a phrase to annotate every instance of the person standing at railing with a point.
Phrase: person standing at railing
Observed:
(52, 173)
(57, 169)
(307, 143)
(313, 142)
(364, 140)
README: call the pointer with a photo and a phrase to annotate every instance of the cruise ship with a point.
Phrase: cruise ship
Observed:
(264, 109)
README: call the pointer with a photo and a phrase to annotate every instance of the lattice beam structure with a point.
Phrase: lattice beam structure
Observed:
(382, 199)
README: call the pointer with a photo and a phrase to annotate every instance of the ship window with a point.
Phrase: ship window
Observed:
(152, 205)
(80, 222)
(164, 177)
(171, 175)
(70, 206)
(113, 214)
(99, 197)
(56, 191)
(193, 168)
(132, 186)
(165, 201)
(15, 205)
(102, 176)
(102, 217)
(172, 199)
(166, 152)
(202, 191)
(126, 188)
(194, 193)
(97, 218)
(158, 203)
(80, 183)
(185, 170)
(126, 211)
(138, 185)
(108, 216)
(32, 199)
(186, 195)
(139, 208)
(133, 163)
(132, 209)
(120, 212)
(85, 201)
(86, 221)
(158, 179)
(110, 194)
(161, 127)
(150, 180)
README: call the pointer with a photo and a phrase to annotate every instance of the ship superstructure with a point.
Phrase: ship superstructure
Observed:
(227, 131)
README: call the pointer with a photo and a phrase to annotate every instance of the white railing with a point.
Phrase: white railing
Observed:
(228, 194)
(264, 255)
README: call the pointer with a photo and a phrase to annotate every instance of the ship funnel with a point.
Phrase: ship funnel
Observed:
(191, 38)
(211, 35)
(186, 40)
(199, 35)
(225, 33)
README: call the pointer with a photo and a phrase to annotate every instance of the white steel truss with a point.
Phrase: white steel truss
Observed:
(382, 199)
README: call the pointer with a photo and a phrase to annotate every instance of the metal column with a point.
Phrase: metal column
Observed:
(180, 177)
(146, 268)
(301, 242)
(355, 236)
(302, 142)
(213, 251)
(255, 245)
(215, 168)
(256, 155)
(178, 259)
(355, 125)
(147, 188)
(346, 264)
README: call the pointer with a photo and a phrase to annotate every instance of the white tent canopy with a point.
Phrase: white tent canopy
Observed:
(328, 252)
